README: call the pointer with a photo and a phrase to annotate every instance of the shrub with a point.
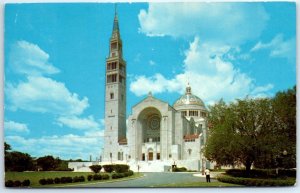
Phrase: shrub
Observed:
(114, 175)
(76, 179)
(9, 183)
(108, 168)
(262, 173)
(26, 183)
(117, 175)
(183, 169)
(130, 172)
(121, 168)
(64, 180)
(255, 181)
(69, 180)
(57, 180)
(43, 181)
(50, 181)
(90, 177)
(97, 177)
(17, 183)
(104, 176)
(96, 168)
(81, 178)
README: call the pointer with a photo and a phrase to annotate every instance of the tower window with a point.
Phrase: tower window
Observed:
(111, 78)
(114, 46)
(183, 113)
(112, 95)
(190, 151)
(122, 97)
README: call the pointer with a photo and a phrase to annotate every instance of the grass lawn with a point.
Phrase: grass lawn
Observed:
(200, 184)
(34, 177)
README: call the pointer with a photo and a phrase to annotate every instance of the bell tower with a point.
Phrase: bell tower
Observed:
(115, 95)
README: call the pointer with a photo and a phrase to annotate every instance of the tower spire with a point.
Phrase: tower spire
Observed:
(116, 22)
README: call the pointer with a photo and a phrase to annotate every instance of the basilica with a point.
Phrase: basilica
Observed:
(157, 135)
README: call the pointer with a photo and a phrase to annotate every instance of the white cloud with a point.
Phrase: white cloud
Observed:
(156, 84)
(44, 95)
(230, 23)
(278, 47)
(65, 147)
(29, 59)
(79, 123)
(210, 76)
(151, 63)
(15, 127)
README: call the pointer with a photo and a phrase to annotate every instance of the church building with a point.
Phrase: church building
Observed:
(157, 135)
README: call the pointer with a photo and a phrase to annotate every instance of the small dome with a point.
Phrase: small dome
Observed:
(187, 100)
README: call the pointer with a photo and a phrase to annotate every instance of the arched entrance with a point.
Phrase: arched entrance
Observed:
(149, 134)
(150, 154)
(150, 123)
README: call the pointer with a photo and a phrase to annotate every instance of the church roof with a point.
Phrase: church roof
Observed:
(189, 99)
(190, 136)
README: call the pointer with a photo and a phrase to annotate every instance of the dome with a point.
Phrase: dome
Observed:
(189, 101)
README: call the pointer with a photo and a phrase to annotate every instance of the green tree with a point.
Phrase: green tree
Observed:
(48, 163)
(241, 131)
(7, 147)
(18, 161)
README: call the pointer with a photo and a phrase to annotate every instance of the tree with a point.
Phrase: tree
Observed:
(6, 147)
(18, 161)
(241, 131)
(48, 163)
(284, 104)
(96, 168)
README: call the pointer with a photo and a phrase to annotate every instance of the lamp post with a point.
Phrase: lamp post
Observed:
(280, 159)
(203, 162)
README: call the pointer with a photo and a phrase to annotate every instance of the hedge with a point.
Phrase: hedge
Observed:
(255, 181)
(96, 168)
(17, 183)
(121, 168)
(262, 173)
(121, 175)
(108, 168)
(62, 180)
(98, 177)
(183, 169)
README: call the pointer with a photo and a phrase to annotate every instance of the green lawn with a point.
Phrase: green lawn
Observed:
(200, 184)
(34, 177)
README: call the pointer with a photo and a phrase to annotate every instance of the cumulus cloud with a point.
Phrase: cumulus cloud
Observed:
(79, 123)
(65, 146)
(278, 47)
(156, 84)
(211, 76)
(29, 59)
(230, 23)
(15, 127)
(44, 95)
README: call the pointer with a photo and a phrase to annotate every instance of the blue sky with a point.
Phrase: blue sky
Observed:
(55, 63)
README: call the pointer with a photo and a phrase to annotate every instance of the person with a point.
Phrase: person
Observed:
(207, 173)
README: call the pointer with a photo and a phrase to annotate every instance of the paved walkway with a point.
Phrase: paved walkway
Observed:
(152, 179)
